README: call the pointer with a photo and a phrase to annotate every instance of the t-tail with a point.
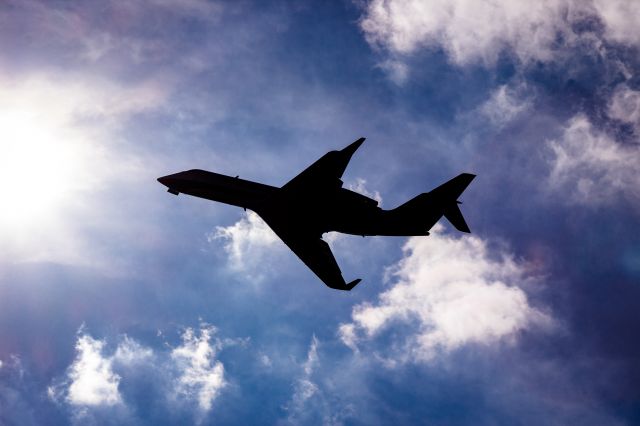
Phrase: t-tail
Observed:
(427, 208)
(447, 194)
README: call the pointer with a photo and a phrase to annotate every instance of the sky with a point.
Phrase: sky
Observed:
(122, 304)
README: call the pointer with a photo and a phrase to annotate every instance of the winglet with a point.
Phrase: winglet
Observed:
(353, 147)
(352, 284)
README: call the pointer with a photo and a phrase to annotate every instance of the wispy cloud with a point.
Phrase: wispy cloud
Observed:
(505, 104)
(201, 376)
(468, 31)
(304, 387)
(624, 105)
(621, 19)
(314, 399)
(117, 30)
(360, 186)
(589, 167)
(479, 31)
(249, 243)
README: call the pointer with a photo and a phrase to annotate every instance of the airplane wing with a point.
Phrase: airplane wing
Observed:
(324, 173)
(316, 254)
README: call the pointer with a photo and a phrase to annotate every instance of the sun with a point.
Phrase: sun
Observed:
(38, 168)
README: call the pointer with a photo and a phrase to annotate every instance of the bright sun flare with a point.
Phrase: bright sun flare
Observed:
(37, 168)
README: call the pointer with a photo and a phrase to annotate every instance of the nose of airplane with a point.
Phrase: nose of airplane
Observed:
(164, 180)
(170, 182)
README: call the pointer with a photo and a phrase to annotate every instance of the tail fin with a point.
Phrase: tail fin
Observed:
(447, 195)
(429, 207)
(454, 216)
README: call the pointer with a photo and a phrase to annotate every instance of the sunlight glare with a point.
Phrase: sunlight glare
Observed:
(38, 167)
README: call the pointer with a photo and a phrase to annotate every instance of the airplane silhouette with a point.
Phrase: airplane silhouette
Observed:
(314, 202)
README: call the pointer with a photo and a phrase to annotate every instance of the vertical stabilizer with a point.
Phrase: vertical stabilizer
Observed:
(427, 208)
(447, 195)
(454, 216)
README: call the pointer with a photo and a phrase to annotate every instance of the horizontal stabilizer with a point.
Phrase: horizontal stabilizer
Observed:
(454, 215)
(447, 194)
(352, 284)
(424, 210)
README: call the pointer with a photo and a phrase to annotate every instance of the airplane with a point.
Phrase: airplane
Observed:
(314, 202)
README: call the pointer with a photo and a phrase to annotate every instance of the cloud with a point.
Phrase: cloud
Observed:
(589, 167)
(314, 400)
(505, 104)
(360, 186)
(67, 99)
(398, 71)
(201, 376)
(117, 28)
(468, 31)
(621, 19)
(91, 377)
(188, 375)
(129, 352)
(304, 387)
(449, 292)
(478, 31)
(16, 394)
(624, 105)
(248, 243)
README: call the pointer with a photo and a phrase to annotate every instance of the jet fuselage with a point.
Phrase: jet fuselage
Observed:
(336, 209)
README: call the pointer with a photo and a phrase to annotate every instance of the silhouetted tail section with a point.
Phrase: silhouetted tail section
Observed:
(423, 211)
(454, 215)
(447, 195)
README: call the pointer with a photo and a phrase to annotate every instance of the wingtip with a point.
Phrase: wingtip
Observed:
(352, 284)
(353, 146)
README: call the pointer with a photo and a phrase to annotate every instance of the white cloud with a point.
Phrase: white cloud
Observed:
(304, 387)
(265, 360)
(472, 31)
(188, 374)
(505, 104)
(589, 167)
(624, 105)
(319, 399)
(201, 376)
(129, 352)
(92, 380)
(453, 291)
(467, 30)
(397, 70)
(621, 19)
(248, 243)
(360, 186)
(122, 28)
(66, 99)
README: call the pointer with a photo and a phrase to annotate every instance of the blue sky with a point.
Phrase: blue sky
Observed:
(121, 304)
